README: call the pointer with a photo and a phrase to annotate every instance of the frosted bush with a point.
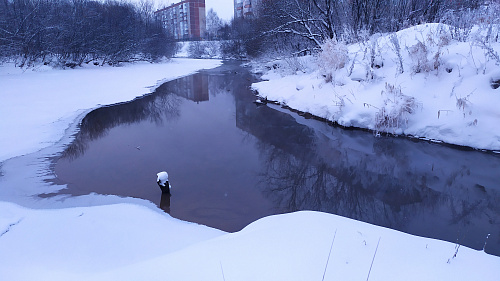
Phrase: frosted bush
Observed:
(333, 56)
(489, 51)
(207, 49)
(464, 104)
(197, 49)
(460, 22)
(288, 65)
(212, 49)
(444, 38)
(418, 54)
(297, 64)
(397, 49)
(394, 113)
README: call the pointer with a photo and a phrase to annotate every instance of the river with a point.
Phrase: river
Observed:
(232, 162)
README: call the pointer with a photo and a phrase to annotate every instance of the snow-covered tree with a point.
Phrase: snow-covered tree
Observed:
(78, 31)
(214, 24)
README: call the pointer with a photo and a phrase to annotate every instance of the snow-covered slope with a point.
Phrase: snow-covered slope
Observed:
(129, 242)
(419, 81)
(73, 243)
(297, 247)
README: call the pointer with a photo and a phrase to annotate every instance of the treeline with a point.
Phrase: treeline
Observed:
(301, 26)
(72, 32)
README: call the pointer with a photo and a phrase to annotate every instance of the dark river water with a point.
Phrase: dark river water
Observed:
(232, 162)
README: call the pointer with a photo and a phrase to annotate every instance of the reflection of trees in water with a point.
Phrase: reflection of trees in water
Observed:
(302, 181)
(470, 203)
(392, 183)
(157, 107)
(306, 171)
(218, 84)
(230, 78)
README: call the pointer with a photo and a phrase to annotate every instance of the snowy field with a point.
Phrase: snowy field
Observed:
(420, 82)
(96, 237)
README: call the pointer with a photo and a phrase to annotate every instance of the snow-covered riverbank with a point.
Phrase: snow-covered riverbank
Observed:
(97, 237)
(38, 104)
(420, 82)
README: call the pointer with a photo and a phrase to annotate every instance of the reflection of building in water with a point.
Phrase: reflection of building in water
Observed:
(185, 20)
(193, 87)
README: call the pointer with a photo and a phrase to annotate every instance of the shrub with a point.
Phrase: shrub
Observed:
(333, 56)
(394, 113)
(232, 49)
(197, 49)
(397, 49)
(418, 54)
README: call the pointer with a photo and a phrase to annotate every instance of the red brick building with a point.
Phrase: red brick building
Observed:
(185, 20)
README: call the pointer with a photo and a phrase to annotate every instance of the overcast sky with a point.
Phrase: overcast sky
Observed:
(224, 8)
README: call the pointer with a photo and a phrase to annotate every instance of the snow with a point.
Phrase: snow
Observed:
(447, 82)
(97, 237)
(183, 50)
(162, 178)
(37, 243)
(129, 242)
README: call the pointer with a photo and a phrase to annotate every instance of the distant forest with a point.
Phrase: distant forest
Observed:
(72, 32)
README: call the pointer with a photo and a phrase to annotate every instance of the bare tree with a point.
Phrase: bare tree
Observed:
(76, 31)
(214, 24)
(311, 22)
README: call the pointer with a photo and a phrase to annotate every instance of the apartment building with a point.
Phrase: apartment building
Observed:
(245, 8)
(185, 20)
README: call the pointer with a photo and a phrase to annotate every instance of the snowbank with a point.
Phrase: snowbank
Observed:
(128, 242)
(73, 243)
(419, 82)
